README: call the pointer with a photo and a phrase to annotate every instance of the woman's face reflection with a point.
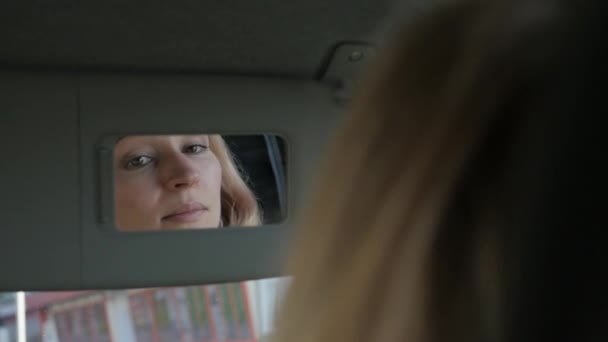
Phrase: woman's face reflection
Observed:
(166, 182)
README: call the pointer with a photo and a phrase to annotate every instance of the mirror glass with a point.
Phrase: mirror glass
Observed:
(172, 182)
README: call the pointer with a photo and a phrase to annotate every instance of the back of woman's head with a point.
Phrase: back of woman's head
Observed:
(460, 201)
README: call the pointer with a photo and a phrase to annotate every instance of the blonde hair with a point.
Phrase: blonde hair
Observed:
(239, 205)
(403, 239)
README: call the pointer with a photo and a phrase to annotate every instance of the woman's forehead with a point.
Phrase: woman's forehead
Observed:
(155, 140)
(129, 143)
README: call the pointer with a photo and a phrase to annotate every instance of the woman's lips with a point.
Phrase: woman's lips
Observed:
(186, 213)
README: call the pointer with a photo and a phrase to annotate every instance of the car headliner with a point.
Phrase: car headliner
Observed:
(264, 37)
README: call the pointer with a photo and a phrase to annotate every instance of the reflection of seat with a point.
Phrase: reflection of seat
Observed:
(252, 153)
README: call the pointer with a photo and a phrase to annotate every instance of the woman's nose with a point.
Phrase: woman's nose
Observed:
(181, 174)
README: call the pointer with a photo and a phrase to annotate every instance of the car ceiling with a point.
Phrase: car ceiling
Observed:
(262, 37)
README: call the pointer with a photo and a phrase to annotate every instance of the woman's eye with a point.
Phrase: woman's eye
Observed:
(195, 149)
(138, 162)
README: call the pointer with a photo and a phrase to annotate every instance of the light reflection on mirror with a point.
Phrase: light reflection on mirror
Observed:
(169, 182)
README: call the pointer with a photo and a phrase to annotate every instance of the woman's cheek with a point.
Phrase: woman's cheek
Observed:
(216, 178)
(134, 196)
(211, 175)
(210, 172)
(218, 175)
